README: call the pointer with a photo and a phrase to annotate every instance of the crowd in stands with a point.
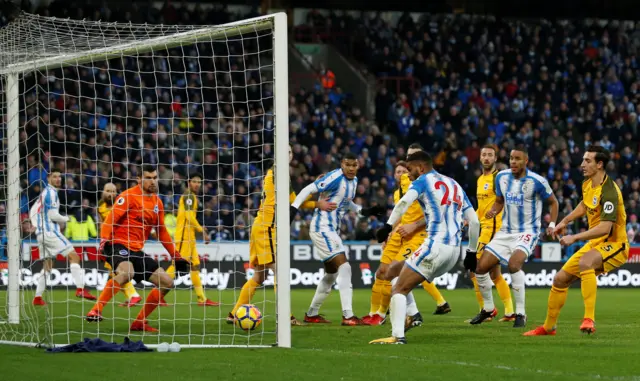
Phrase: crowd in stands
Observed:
(555, 88)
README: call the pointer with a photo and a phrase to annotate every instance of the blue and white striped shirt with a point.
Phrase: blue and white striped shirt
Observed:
(443, 202)
(522, 201)
(334, 187)
(39, 213)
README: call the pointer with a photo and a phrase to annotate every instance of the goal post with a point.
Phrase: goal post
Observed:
(45, 61)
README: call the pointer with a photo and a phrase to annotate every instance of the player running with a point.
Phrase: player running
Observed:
(124, 232)
(607, 245)
(262, 248)
(109, 193)
(445, 205)
(520, 192)
(406, 238)
(186, 229)
(339, 186)
(45, 216)
(488, 228)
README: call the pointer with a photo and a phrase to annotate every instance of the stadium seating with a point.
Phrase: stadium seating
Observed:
(553, 87)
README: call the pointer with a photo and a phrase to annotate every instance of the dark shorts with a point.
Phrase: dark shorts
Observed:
(143, 266)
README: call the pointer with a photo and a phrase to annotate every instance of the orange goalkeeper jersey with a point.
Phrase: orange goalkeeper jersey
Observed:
(131, 219)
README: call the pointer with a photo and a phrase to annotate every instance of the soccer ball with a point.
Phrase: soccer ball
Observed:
(248, 317)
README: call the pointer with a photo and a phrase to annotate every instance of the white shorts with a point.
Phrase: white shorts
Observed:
(504, 244)
(327, 244)
(50, 244)
(433, 259)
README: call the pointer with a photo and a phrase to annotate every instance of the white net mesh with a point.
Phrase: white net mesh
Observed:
(96, 101)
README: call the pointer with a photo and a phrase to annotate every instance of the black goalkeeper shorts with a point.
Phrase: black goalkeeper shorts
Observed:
(143, 266)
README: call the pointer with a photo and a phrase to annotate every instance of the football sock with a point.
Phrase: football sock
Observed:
(41, 283)
(485, 285)
(505, 294)
(346, 289)
(110, 289)
(385, 297)
(130, 291)
(434, 292)
(557, 297)
(247, 292)
(398, 314)
(376, 295)
(517, 284)
(197, 285)
(412, 307)
(478, 293)
(589, 285)
(322, 291)
(171, 270)
(78, 274)
(149, 305)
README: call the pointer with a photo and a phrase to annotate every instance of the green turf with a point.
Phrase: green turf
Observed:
(444, 348)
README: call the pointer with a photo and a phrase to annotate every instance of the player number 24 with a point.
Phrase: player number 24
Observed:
(445, 199)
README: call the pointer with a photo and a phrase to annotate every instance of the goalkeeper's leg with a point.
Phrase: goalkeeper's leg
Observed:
(124, 273)
(129, 291)
(150, 269)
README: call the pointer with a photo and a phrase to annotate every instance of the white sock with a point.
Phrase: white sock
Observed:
(517, 286)
(412, 307)
(322, 291)
(41, 284)
(346, 289)
(485, 285)
(78, 274)
(398, 314)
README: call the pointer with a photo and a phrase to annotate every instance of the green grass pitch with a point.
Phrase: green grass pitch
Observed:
(444, 348)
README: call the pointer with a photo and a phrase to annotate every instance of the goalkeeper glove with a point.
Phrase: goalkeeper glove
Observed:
(293, 211)
(375, 210)
(383, 233)
(471, 260)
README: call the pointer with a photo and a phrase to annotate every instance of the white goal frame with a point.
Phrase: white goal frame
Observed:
(11, 74)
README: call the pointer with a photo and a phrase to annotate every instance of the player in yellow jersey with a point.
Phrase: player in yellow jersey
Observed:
(607, 245)
(185, 239)
(109, 193)
(486, 195)
(262, 249)
(407, 238)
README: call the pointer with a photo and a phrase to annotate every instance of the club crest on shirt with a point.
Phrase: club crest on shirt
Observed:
(486, 186)
(155, 209)
(595, 201)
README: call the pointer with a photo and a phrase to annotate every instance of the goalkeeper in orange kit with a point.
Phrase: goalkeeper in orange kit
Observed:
(135, 212)
(186, 229)
(109, 193)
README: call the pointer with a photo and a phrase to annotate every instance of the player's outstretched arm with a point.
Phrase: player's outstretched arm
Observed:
(608, 217)
(576, 213)
(300, 199)
(398, 211)
(554, 207)
(408, 230)
(471, 217)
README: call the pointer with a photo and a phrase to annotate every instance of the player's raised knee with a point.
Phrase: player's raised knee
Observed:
(562, 279)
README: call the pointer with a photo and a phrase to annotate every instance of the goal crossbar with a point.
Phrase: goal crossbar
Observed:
(137, 47)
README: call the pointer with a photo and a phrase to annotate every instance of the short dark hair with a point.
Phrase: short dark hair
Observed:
(491, 146)
(401, 163)
(602, 154)
(420, 156)
(193, 175)
(415, 146)
(349, 156)
(522, 149)
(147, 168)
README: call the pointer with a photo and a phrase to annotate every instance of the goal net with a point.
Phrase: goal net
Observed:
(95, 101)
